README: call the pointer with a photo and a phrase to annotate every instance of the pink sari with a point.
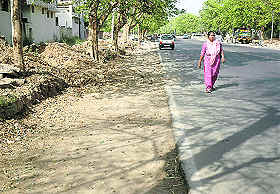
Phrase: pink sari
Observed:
(212, 59)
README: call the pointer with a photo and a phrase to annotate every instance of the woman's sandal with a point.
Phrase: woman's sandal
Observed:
(208, 91)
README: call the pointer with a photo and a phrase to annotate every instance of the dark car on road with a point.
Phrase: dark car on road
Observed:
(166, 40)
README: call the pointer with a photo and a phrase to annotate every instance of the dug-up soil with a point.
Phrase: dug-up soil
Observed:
(114, 137)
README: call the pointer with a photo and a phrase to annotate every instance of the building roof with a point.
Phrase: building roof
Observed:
(50, 6)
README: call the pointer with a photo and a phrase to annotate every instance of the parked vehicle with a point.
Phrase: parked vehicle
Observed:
(186, 36)
(244, 36)
(166, 40)
(197, 36)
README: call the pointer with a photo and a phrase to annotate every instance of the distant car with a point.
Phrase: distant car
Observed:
(167, 40)
(186, 36)
(197, 36)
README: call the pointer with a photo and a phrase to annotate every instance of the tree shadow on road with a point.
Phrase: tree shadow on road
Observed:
(212, 155)
(271, 119)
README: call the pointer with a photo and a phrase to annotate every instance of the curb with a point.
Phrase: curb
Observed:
(177, 136)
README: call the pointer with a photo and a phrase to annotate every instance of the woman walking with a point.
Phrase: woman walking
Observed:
(213, 54)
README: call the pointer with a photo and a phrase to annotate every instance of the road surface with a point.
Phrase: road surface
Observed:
(228, 140)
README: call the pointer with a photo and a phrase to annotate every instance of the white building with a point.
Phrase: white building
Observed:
(39, 21)
(5, 20)
(68, 19)
(43, 22)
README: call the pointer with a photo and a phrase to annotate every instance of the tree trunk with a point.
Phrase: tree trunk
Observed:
(115, 40)
(272, 27)
(17, 34)
(125, 32)
(113, 26)
(121, 21)
(93, 23)
(262, 33)
(144, 33)
(139, 34)
(115, 32)
(95, 41)
(89, 38)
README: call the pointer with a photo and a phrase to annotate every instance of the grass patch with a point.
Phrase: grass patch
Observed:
(71, 40)
(7, 100)
(8, 106)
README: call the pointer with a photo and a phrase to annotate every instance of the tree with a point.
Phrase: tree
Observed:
(226, 15)
(273, 6)
(16, 17)
(186, 23)
(122, 10)
(97, 12)
(146, 14)
(155, 14)
(17, 33)
(128, 12)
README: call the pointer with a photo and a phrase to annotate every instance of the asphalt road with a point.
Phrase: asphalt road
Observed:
(228, 140)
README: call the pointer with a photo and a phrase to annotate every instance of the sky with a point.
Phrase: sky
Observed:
(192, 6)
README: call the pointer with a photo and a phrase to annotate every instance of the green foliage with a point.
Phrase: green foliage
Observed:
(7, 100)
(48, 1)
(107, 27)
(184, 23)
(71, 40)
(160, 11)
(149, 14)
(225, 15)
(103, 9)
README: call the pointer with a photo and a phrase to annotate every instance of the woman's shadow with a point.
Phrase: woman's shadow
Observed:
(219, 87)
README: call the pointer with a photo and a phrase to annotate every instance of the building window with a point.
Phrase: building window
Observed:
(48, 14)
(5, 5)
(30, 33)
(43, 10)
(32, 9)
(76, 20)
(56, 21)
(51, 14)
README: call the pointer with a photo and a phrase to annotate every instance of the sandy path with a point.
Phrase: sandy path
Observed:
(110, 143)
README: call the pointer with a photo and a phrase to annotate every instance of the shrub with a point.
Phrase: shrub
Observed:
(71, 40)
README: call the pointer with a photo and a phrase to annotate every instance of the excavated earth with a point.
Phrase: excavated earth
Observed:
(105, 129)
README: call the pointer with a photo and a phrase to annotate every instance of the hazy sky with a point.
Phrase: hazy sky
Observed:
(192, 6)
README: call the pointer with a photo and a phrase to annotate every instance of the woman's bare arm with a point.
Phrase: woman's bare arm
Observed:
(223, 56)
(199, 61)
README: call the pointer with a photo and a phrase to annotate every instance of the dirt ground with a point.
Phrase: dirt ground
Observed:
(115, 141)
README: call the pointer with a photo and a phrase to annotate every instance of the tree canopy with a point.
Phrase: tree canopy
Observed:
(225, 15)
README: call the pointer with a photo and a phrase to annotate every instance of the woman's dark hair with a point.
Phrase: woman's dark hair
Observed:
(208, 34)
